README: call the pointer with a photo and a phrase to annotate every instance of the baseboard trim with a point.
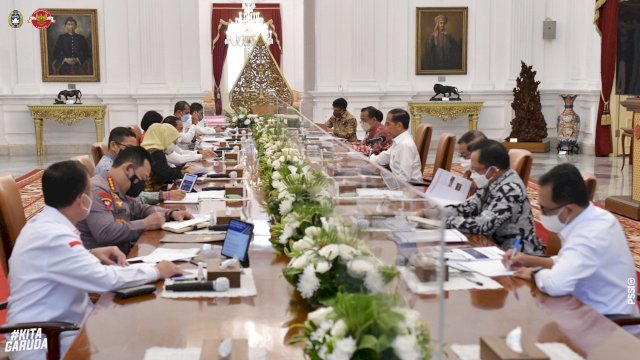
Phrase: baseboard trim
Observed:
(50, 149)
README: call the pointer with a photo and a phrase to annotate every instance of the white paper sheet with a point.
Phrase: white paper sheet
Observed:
(479, 253)
(555, 351)
(422, 236)
(456, 282)
(189, 198)
(448, 188)
(167, 254)
(379, 193)
(489, 268)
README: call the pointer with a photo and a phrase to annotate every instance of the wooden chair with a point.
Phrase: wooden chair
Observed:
(88, 164)
(444, 156)
(520, 161)
(12, 217)
(422, 139)
(136, 129)
(97, 151)
(553, 242)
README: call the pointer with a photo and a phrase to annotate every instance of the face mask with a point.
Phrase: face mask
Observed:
(87, 209)
(136, 187)
(366, 126)
(552, 222)
(186, 119)
(465, 163)
(480, 179)
(169, 149)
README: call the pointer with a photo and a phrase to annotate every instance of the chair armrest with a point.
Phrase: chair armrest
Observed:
(624, 319)
(48, 327)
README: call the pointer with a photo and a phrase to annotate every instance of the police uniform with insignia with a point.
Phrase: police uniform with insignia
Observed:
(52, 272)
(115, 218)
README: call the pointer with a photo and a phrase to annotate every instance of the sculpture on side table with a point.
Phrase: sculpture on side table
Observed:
(68, 94)
(443, 90)
(528, 127)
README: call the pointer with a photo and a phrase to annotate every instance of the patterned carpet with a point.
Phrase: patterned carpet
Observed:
(631, 227)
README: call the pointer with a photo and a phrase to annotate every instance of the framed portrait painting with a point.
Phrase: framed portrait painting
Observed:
(441, 40)
(69, 46)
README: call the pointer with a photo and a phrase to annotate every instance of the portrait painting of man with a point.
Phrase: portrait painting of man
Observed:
(70, 46)
(441, 41)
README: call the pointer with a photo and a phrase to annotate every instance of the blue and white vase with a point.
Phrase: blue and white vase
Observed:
(568, 124)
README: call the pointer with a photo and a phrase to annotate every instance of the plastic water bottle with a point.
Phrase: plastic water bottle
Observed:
(213, 219)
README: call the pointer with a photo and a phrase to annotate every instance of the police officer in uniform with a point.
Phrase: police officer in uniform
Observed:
(51, 272)
(116, 217)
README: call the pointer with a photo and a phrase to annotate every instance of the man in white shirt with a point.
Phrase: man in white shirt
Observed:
(402, 157)
(51, 272)
(594, 263)
(182, 112)
(197, 114)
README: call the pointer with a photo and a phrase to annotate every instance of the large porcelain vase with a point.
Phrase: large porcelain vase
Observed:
(568, 125)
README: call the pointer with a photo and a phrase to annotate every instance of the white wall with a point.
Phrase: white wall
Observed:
(148, 60)
(156, 52)
(370, 58)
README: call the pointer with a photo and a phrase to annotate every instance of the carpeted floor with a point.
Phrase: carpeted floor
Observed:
(630, 227)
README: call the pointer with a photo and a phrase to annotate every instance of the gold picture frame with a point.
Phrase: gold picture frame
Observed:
(441, 40)
(70, 54)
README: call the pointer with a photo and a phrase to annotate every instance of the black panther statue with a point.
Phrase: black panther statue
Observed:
(444, 90)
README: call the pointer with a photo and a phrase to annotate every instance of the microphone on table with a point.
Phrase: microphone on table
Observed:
(220, 284)
(375, 140)
(234, 175)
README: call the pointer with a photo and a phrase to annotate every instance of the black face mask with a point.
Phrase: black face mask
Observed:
(136, 187)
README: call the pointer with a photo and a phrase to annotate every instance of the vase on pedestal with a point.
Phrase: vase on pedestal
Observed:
(568, 126)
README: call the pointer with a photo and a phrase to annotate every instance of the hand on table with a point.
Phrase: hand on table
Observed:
(177, 194)
(154, 221)
(168, 269)
(110, 255)
(181, 215)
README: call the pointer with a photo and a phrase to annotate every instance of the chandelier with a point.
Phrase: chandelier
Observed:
(244, 31)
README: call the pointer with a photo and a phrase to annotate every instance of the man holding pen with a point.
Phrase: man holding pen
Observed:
(594, 263)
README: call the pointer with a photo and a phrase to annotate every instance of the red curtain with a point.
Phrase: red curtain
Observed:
(606, 20)
(221, 15)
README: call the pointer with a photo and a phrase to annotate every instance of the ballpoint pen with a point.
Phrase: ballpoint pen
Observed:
(475, 281)
(516, 246)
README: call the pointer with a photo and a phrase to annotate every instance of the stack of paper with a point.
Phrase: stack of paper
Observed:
(194, 198)
(425, 236)
(489, 268)
(448, 188)
(167, 254)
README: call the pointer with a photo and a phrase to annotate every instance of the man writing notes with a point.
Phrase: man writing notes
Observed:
(500, 208)
(342, 122)
(116, 217)
(402, 157)
(51, 272)
(594, 263)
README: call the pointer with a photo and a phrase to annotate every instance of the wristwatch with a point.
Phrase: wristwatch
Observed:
(168, 214)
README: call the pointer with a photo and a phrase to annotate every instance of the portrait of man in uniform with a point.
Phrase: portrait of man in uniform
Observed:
(441, 41)
(70, 46)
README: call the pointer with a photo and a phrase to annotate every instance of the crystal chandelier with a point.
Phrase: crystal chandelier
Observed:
(244, 31)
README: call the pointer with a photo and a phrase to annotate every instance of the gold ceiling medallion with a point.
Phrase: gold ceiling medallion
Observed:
(259, 75)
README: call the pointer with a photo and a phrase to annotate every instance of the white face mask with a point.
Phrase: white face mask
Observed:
(480, 179)
(552, 222)
(87, 209)
(365, 126)
(186, 119)
(169, 149)
(465, 163)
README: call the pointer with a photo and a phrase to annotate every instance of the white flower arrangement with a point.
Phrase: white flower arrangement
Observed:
(365, 327)
(340, 262)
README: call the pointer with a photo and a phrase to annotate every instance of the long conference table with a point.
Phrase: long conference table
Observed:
(125, 329)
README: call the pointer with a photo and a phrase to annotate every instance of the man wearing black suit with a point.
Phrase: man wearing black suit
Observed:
(72, 52)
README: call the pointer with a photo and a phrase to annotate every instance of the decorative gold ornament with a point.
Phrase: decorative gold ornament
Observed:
(445, 110)
(259, 75)
(66, 115)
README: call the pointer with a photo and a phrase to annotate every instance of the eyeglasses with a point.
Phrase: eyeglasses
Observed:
(125, 146)
(546, 211)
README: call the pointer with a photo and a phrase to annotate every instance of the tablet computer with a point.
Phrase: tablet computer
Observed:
(188, 181)
(236, 242)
